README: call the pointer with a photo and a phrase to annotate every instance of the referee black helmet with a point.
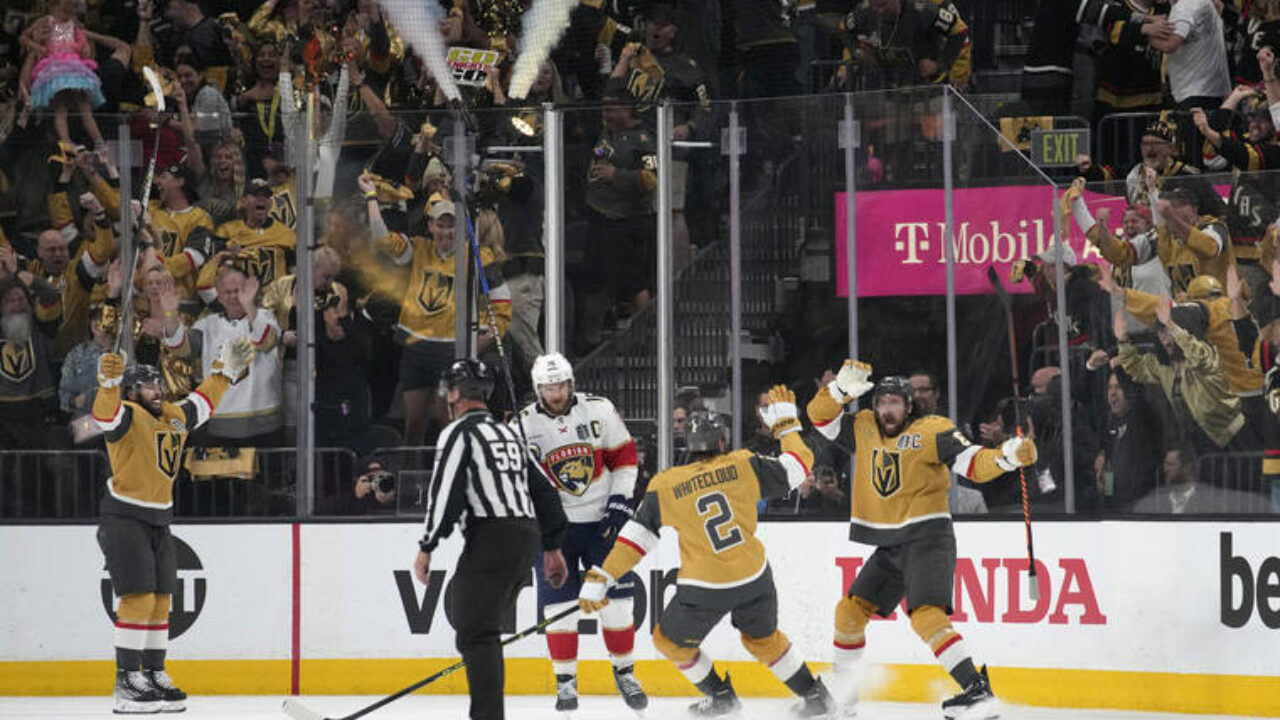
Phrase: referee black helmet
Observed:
(470, 377)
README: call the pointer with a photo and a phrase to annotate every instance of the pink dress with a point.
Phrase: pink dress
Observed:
(62, 68)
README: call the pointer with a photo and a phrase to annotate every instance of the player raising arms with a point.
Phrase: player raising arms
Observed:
(145, 437)
(591, 458)
(901, 506)
(711, 503)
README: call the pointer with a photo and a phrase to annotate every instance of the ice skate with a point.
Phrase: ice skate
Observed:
(843, 687)
(977, 702)
(723, 701)
(818, 703)
(174, 699)
(134, 694)
(629, 688)
(566, 693)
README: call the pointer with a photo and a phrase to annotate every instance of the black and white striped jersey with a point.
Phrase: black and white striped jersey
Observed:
(483, 471)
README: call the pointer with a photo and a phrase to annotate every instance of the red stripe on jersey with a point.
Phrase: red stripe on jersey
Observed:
(630, 543)
(954, 639)
(622, 456)
(797, 459)
(263, 339)
(824, 423)
(114, 415)
(207, 402)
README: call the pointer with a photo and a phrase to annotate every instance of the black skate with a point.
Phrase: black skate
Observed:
(723, 701)
(174, 700)
(629, 688)
(134, 694)
(977, 702)
(566, 693)
(818, 703)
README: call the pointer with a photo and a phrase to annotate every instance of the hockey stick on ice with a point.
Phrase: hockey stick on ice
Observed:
(1007, 302)
(298, 711)
(126, 301)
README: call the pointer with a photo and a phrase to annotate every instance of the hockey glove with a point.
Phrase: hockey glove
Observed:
(594, 586)
(853, 380)
(780, 414)
(234, 359)
(1018, 452)
(110, 370)
(616, 514)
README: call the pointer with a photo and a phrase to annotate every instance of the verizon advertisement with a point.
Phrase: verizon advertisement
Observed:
(1162, 597)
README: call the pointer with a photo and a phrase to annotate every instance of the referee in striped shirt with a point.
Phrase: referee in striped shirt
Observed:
(485, 481)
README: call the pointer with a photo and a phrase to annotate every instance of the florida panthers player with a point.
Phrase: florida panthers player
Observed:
(590, 456)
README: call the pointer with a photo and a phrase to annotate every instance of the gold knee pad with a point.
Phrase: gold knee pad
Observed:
(160, 613)
(932, 625)
(852, 615)
(670, 650)
(137, 608)
(767, 649)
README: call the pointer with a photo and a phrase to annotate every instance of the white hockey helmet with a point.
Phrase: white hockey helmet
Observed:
(550, 369)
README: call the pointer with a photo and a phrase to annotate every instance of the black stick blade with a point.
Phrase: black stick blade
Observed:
(994, 278)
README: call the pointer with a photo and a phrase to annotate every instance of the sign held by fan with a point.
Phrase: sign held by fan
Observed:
(472, 66)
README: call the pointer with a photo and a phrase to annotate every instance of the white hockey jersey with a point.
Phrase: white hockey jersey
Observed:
(587, 452)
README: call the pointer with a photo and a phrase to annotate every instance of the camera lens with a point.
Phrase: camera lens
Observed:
(385, 483)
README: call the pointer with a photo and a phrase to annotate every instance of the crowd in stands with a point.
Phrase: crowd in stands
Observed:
(217, 244)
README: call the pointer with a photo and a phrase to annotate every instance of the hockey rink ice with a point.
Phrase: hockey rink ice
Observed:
(524, 707)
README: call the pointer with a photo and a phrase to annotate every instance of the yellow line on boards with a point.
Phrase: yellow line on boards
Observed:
(1256, 696)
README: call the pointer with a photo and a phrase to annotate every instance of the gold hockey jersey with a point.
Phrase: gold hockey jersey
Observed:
(712, 507)
(146, 451)
(901, 483)
(266, 252)
(429, 303)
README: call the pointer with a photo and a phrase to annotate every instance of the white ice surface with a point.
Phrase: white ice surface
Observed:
(519, 707)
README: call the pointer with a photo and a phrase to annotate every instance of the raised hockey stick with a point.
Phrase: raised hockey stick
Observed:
(126, 300)
(1007, 302)
(493, 323)
(298, 711)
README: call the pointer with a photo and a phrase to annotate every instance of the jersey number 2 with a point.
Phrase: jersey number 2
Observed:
(716, 506)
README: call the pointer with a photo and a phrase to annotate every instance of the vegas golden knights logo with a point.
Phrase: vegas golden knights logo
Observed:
(169, 240)
(260, 264)
(168, 452)
(282, 210)
(437, 292)
(17, 361)
(886, 472)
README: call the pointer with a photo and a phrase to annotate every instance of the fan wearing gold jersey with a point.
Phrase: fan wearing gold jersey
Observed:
(429, 305)
(145, 436)
(711, 504)
(264, 247)
(902, 476)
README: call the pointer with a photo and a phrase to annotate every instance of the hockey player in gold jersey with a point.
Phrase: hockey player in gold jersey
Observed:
(711, 504)
(900, 504)
(145, 438)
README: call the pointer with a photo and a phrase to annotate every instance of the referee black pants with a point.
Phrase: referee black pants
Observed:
(494, 563)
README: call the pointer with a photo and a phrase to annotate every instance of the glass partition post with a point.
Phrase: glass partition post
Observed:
(949, 248)
(1068, 444)
(849, 141)
(301, 138)
(459, 161)
(553, 230)
(666, 302)
(733, 147)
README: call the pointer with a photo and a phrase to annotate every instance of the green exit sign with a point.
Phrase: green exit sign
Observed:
(1058, 148)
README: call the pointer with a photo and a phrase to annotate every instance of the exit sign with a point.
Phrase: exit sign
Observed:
(1058, 148)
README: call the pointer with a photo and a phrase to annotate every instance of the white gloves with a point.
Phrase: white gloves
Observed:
(780, 415)
(234, 359)
(1017, 452)
(853, 380)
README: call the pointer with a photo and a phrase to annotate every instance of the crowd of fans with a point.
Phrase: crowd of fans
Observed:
(217, 244)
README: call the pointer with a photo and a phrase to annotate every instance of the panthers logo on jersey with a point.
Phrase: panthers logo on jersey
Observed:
(17, 361)
(886, 472)
(572, 467)
(437, 292)
(168, 452)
